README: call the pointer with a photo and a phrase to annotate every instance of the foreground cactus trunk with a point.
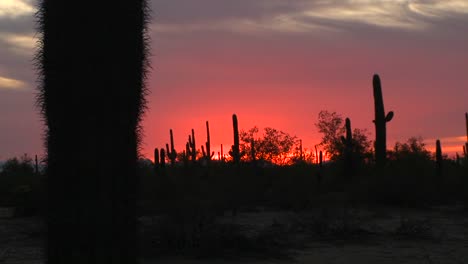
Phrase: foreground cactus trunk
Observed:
(380, 122)
(92, 65)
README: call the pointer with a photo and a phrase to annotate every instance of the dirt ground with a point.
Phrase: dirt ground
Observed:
(377, 235)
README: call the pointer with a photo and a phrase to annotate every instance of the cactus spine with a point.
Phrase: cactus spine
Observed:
(380, 122)
(171, 153)
(438, 157)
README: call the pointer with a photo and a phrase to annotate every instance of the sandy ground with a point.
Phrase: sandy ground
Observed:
(436, 235)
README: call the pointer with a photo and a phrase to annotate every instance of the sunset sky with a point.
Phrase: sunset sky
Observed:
(275, 64)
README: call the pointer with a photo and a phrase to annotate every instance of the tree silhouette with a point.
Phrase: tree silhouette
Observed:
(92, 65)
(332, 127)
(273, 146)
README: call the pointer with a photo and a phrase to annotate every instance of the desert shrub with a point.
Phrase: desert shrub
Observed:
(20, 186)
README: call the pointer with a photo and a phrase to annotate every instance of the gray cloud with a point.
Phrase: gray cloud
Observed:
(17, 43)
(16, 8)
(304, 16)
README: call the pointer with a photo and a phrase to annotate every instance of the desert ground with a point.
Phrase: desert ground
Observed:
(324, 235)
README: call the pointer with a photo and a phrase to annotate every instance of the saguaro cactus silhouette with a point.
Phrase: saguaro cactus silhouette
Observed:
(36, 166)
(380, 122)
(438, 157)
(222, 153)
(319, 176)
(348, 150)
(466, 123)
(171, 153)
(156, 160)
(193, 147)
(465, 148)
(235, 152)
(163, 158)
(208, 154)
(92, 66)
(348, 140)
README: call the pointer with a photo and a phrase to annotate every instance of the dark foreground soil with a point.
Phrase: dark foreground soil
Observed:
(364, 235)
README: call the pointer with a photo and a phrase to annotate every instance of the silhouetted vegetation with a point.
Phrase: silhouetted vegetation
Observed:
(270, 171)
(273, 147)
(189, 203)
(21, 186)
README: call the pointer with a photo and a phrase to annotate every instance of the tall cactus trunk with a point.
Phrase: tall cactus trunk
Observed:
(208, 154)
(162, 156)
(316, 155)
(465, 148)
(36, 166)
(156, 161)
(380, 122)
(235, 148)
(320, 168)
(171, 153)
(466, 123)
(439, 159)
(193, 147)
(348, 151)
(222, 154)
(92, 65)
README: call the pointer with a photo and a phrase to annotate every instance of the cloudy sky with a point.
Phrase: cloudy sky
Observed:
(274, 63)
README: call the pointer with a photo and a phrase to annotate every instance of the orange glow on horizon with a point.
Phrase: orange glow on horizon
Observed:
(450, 145)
